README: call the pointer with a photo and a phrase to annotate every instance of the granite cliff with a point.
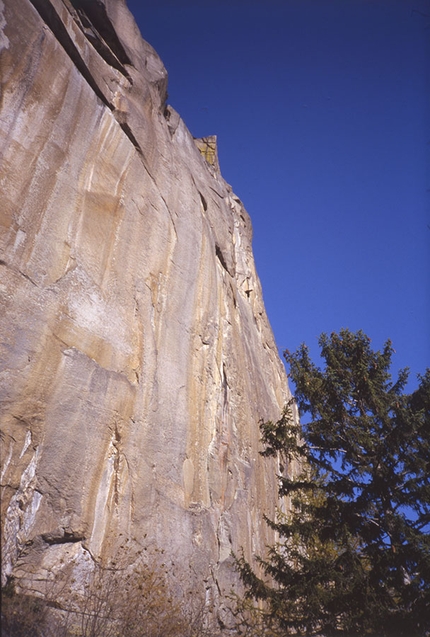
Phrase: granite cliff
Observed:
(136, 354)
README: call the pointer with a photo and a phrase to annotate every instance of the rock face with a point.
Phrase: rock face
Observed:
(136, 355)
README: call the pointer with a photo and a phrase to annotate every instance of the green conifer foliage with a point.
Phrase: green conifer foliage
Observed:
(353, 556)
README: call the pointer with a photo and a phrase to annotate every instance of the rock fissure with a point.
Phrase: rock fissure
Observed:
(23, 274)
(127, 130)
(92, 19)
(221, 258)
(51, 18)
(49, 14)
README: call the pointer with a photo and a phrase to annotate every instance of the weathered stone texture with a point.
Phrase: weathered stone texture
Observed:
(136, 355)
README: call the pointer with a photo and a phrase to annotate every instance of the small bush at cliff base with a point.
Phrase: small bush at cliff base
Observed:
(353, 556)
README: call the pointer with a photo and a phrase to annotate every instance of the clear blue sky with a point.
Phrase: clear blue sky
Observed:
(322, 112)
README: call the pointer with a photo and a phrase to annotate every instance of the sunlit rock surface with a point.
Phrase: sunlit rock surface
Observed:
(136, 355)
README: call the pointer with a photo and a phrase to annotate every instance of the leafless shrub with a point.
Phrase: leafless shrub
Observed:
(130, 596)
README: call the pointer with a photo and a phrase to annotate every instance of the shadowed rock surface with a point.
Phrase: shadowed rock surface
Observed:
(136, 355)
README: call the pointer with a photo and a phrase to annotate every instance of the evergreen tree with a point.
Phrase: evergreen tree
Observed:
(353, 556)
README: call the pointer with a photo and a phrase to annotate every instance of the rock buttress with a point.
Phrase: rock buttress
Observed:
(136, 355)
